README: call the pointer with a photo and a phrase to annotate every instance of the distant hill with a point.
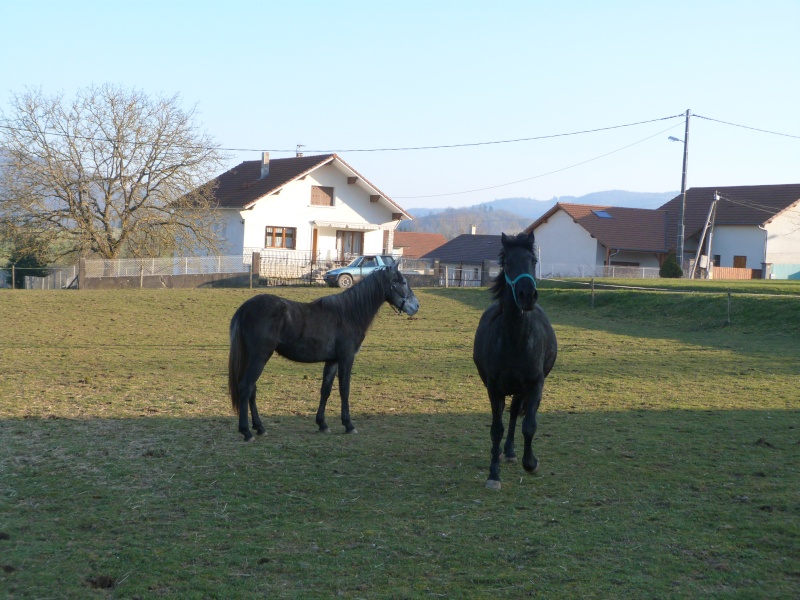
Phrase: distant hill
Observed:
(452, 222)
(512, 215)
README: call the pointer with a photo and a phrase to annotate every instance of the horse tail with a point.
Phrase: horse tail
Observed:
(237, 360)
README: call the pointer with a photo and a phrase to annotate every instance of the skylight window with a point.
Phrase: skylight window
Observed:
(602, 214)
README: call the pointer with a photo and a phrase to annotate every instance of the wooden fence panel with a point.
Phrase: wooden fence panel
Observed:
(734, 273)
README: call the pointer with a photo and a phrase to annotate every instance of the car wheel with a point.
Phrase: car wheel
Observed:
(345, 281)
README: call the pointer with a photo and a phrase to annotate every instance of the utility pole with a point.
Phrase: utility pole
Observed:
(679, 249)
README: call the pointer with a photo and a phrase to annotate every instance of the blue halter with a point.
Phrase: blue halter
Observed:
(514, 283)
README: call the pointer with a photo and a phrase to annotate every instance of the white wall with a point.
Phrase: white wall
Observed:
(563, 242)
(783, 241)
(645, 259)
(738, 240)
(292, 208)
(233, 232)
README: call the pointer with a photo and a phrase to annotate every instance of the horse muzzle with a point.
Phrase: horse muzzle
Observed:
(409, 305)
(527, 295)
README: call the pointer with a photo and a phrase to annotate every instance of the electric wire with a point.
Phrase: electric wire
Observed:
(389, 149)
(747, 127)
(492, 187)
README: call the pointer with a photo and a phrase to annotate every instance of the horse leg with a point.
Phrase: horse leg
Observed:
(345, 370)
(257, 425)
(508, 450)
(529, 460)
(498, 401)
(247, 394)
(328, 374)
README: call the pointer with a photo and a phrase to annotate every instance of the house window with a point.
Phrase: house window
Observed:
(280, 237)
(349, 243)
(739, 262)
(716, 260)
(321, 196)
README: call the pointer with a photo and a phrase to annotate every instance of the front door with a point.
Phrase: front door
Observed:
(314, 245)
(349, 243)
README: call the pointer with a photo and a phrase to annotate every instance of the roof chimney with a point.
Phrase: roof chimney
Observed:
(473, 229)
(264, 164)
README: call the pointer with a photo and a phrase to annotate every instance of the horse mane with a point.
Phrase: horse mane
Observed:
(360, 302)
(521, 240)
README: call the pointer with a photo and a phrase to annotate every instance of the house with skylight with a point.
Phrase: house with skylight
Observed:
(734, 232)
(581, 240)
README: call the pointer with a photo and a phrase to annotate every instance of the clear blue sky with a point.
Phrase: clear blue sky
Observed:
(345, 75)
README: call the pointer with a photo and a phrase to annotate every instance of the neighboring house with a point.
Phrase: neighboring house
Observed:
(754, 232)
(468, 260)
(318, 206)
(413, 244)
(756, 227)
(579, 240)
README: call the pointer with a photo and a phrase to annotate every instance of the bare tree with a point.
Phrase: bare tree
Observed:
(111, 173)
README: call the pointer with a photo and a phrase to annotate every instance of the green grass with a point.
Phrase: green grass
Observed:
(668, 440)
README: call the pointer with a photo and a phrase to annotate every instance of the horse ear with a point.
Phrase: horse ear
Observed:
(530, 235)
(504, 239)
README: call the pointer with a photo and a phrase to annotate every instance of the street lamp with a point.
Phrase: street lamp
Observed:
(685, 140)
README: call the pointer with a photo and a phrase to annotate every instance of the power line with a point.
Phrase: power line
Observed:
(541, 174)
(511, 141)
(331, 150)
(408, 148)
(747, 127)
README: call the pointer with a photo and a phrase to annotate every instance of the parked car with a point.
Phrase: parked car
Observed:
(360, 267)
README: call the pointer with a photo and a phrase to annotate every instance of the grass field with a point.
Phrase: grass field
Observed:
(669, 442)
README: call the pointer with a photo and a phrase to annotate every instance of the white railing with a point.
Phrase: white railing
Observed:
(554, 271)
(184, 265)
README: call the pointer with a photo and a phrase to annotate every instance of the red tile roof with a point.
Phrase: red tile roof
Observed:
(242, 185)
(638, 229)
(415, 244)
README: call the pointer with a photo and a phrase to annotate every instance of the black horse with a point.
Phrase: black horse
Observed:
(515, 349)
(330, 330)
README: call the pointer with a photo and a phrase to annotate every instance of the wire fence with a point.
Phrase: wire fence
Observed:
(186, 265)
(549, 271)
(39, 278)
(292, 268)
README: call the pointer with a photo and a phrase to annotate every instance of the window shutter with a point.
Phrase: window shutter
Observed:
(321, 196)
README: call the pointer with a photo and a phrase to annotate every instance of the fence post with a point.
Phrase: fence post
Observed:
(255, 268)
(485, 273)
(82, 274)
(12, 276)
(729, 308)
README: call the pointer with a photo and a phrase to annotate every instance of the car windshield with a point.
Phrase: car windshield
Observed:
(355, 261)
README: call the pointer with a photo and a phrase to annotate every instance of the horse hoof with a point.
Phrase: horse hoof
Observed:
(261, 432)
(532, 470)
(353, 430)
(249, 438)
(324, 430)
(511, 460)
(493, 484)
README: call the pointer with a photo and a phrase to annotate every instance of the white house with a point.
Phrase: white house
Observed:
(582, 240)
(754, 227)
(318, 206)
(753, 232)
